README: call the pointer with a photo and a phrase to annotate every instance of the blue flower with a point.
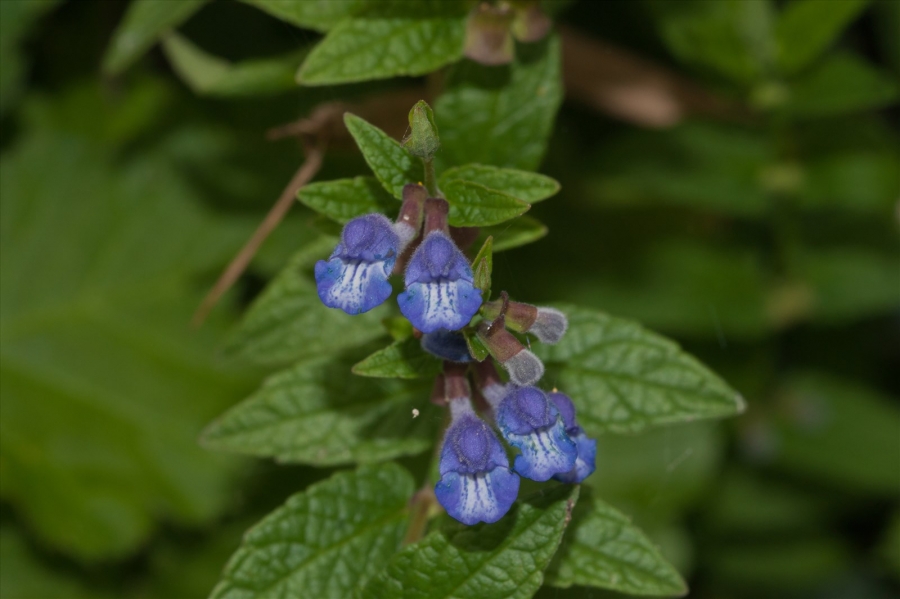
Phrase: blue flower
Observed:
(447, 345)
(355, 277)
(531, 423)
(440, 291)
(476, 483)
(585, 463)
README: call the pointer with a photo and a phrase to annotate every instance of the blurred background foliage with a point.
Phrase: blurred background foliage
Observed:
(760, 231)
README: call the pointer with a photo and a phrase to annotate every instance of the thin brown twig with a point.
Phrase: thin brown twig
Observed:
(315, 150)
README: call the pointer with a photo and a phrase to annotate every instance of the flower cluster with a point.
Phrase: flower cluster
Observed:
(451, 318)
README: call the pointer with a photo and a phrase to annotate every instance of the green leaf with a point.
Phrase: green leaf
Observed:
(288, 321)
(474, 205)
(25, 576)
(889, 549)
(604, 549)
(514, 233)
(392, 165)
(210, 75)
(806, 28)
(400, 360)
(345, 199)
(484, 264)
(388, 39)
(317, 413)
(526, 186)
(624, 379)
(838, 431)
(142, 26)
(842, 84)
(320, 15)
(501, 115)
(324, 542)
(104, 386)
(422, 140)
(476, 347)
(17, 17)
(503, 560)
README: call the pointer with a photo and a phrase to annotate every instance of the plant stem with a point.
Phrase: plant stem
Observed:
(430, 182)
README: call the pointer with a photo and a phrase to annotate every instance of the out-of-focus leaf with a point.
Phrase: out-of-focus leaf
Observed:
(501, 116)
(839, 432)
(623, 378)
(807, 27)
(862, 181)
(318, 413)
(400, 360)
(324, 542)
(696, 165)
(142, 26)
(16, 19)
(320, 15)
(345, 199)
(24, 576)
(526, 186)
(213, 76)
(890, 546)
(731, 37)
(504, 560)
(393, 166)
(104, 386)
(388, 39)
(514, 233)
(604, 549)
(474, 205)
(288, 321)
(841, 84)
(845, 283)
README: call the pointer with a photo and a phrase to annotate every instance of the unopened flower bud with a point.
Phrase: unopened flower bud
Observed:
(422, 140)
(409, 221)
(524, 367)
(488, 37)
(547, 324)
(447, 345)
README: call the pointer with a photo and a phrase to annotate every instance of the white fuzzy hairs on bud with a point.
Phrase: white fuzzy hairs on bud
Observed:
(549, 326)
(524, 368)
(406, 232)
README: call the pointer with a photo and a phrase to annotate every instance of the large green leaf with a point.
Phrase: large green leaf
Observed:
(392, 164)
(25, 576)
(213, 76)
(474, 205)
(388, 39)
(501, 115)
(318, 413)
(604, 549)
(400, 360)
(320, 15)
(104, 386)
(623, 378)
(503, 560)
(526, 186)
(345, 199)
(841, 84)
(324, 542)
(807, 27)
(289, 322)
(142, 26)
(514, 233)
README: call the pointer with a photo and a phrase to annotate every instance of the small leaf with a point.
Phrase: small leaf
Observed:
(392, 165)
(345, 199)
(349, 524)
(841, 84)
(504, 560)
(288, 322)
(387, 40)
(320, 15)
(317, 413)
(423, 140)
(526, 186)
(400, 360)
(517, 232)
(484, 264)
(476, 347)
(806, 28)
(213, 76)
(143, 24)
(501, 115)
(604, 549)
(474, 205)
(624, 379)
